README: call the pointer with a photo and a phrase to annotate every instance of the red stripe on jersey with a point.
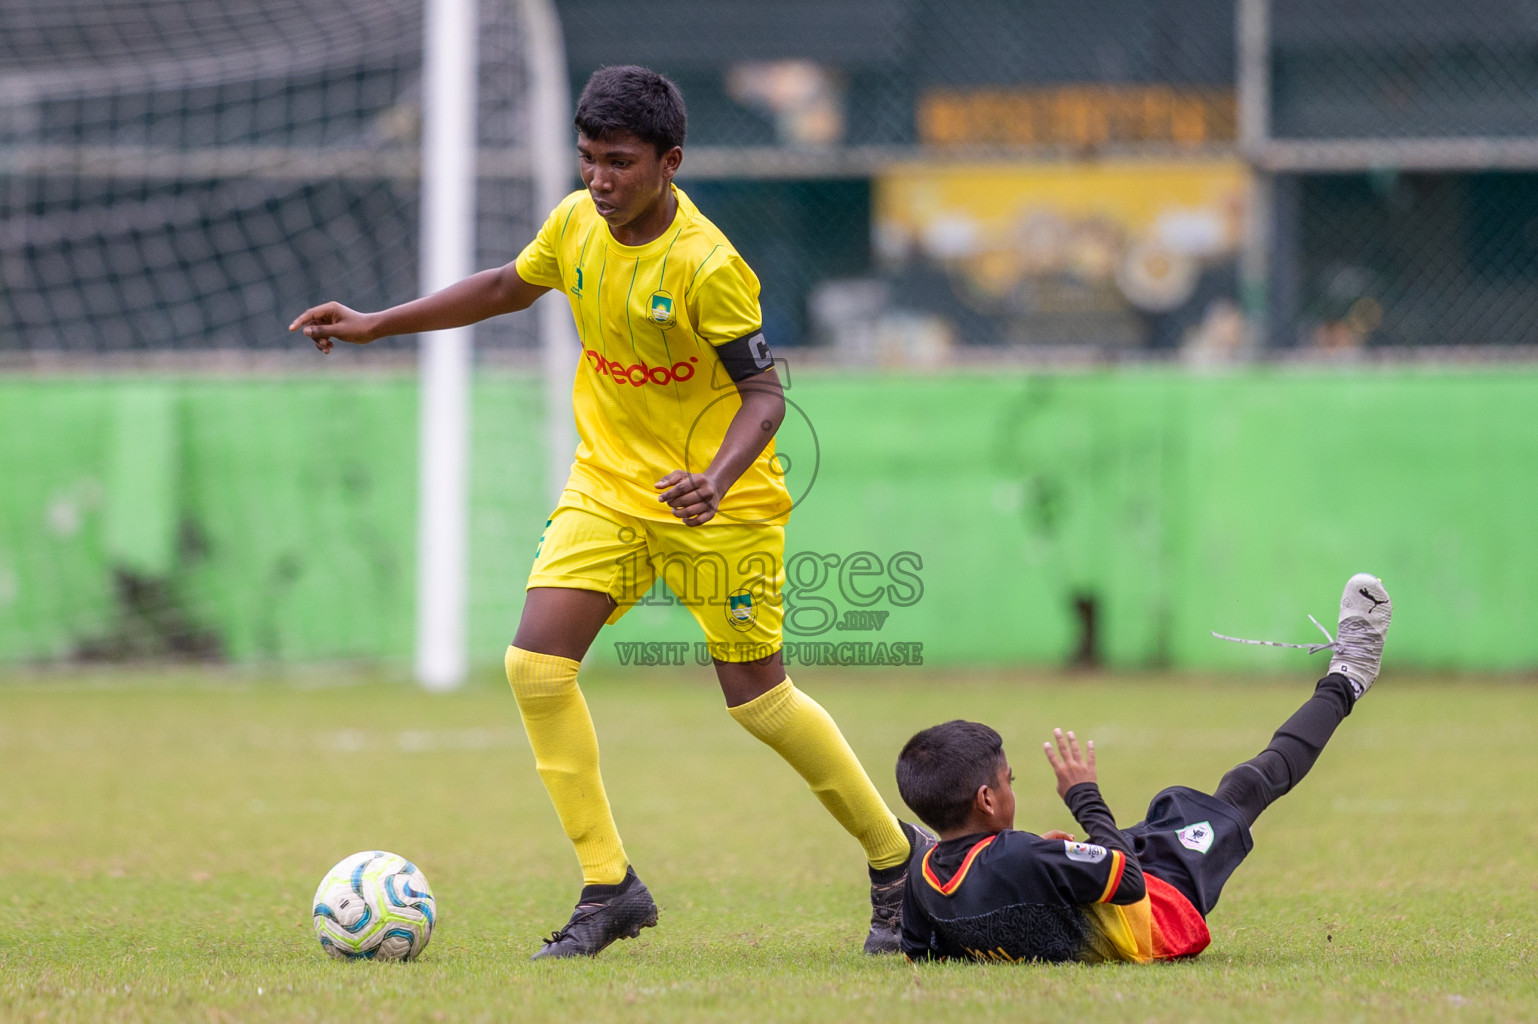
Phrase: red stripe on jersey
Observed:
(966, 863)
(1178, 927)
(1118, 868)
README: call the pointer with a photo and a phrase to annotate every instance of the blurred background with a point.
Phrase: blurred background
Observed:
(1106, 323)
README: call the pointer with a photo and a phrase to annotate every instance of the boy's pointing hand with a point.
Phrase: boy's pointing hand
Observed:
(334, 320)
(1070, 765)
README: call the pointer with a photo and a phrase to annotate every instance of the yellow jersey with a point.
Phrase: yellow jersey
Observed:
(651, 393)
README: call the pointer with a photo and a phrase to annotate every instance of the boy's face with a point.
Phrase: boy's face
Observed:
(1002, 802)
(624, 175)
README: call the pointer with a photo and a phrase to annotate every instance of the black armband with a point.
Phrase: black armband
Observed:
(746, 357)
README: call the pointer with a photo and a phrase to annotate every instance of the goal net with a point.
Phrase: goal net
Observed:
(188, 174)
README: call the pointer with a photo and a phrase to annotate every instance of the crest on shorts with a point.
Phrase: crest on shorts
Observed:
(740, 610)
(661, 306)
(1196, 837)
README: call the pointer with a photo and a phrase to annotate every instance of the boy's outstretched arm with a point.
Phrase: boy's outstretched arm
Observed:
(478, 297)
(1077, 785)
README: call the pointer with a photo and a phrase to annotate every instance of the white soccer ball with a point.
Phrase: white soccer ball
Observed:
(374, 906)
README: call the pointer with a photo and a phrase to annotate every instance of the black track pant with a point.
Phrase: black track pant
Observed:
(1251, 786)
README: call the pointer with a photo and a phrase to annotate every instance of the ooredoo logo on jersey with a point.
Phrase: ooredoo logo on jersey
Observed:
(640, 374)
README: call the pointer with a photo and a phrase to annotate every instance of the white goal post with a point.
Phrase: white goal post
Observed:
(448, 253)
(449, 172)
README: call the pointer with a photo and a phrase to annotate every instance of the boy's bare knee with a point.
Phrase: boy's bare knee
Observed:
(743, 681)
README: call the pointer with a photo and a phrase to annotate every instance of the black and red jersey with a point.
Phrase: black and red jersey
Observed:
(1013, 896)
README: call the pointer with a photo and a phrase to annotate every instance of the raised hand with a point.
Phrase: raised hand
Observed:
(1069, 765)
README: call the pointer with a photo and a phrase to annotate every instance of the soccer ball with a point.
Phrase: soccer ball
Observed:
(374, 906)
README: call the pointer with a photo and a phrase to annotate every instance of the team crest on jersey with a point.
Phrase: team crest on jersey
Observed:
(662, 309)
(740, 610)
(576, 289)
(1196, 837)
(1088, 853)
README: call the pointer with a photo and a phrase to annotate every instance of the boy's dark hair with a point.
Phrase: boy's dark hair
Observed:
(633, 99)
(940, 770)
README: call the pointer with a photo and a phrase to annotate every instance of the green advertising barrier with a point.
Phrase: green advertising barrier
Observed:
(1114, 517)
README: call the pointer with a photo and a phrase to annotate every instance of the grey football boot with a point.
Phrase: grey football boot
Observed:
(1365, 610)
(1356, 649)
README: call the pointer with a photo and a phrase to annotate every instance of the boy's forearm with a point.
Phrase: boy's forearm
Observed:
(1089, 809)
(750, 431)
(1091, 812)
(478, 297)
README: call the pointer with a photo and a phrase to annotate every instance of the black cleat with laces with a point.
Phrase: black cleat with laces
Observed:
(886, 894)
(604, 914)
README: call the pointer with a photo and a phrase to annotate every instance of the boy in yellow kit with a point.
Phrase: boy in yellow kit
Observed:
(677, 402)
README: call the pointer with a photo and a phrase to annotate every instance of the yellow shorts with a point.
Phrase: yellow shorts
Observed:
(729, 575)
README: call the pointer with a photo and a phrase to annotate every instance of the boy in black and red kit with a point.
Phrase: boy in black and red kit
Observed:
(987, 892)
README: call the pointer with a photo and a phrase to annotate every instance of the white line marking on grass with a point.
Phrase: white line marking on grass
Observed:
(420, 741)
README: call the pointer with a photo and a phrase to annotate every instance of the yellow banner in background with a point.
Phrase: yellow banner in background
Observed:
(1194, 207)
(1066, 251)
(1077, 115)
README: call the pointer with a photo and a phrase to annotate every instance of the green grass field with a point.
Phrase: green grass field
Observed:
(163, 834)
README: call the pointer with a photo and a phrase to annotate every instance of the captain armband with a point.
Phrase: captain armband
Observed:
(746, 357)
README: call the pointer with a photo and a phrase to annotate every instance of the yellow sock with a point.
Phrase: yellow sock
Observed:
(801, 732)
(565, 746)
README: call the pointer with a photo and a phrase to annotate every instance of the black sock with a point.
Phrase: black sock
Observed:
(886, 876)
(1251, 786)
(600, 893)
